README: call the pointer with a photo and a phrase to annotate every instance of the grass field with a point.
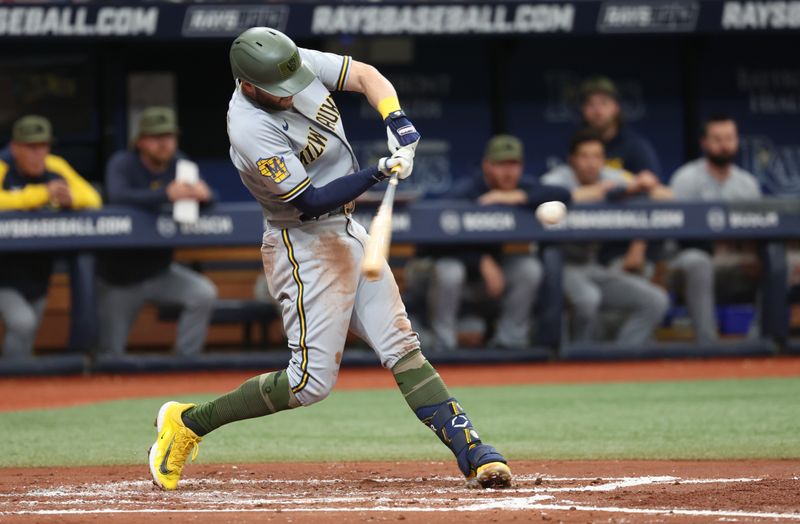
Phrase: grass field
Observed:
(721, 419)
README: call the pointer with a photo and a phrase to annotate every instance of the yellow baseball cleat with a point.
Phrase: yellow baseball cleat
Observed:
(493, 475)
(175, 442)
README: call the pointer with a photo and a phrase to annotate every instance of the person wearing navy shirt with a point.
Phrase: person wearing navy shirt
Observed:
(484, 272)
(145, 177)
(625, 148)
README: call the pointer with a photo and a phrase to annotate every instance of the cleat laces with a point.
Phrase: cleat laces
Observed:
(185, 443)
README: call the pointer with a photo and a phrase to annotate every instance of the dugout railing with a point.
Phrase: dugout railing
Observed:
(770, 222)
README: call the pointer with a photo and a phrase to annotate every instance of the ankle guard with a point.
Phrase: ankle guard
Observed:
(455, 430)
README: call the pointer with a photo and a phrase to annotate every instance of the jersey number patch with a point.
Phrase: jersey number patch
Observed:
(273, 167)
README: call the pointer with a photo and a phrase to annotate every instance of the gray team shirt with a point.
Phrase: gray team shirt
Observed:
(564, 176)
(694, 182)
(279, 154)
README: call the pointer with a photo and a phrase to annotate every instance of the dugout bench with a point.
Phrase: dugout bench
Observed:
(78, 235)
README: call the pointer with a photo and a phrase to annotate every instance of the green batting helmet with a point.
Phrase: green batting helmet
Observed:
(270, 60)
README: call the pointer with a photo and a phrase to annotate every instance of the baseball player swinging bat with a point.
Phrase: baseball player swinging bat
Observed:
(288, 144)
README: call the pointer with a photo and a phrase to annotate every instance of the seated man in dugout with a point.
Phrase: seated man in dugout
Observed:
(629, 151)
(145, 177)
(715, 177)
(33, 178)
(476, 273)
(590, 286)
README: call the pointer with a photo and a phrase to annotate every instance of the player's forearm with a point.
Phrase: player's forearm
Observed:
(316, 201)
(367, 80)
(84, 196)
(31, 197)
(662, 193)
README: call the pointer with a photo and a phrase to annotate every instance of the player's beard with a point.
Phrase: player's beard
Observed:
(723, 159)
(273, 104)
(609, 128)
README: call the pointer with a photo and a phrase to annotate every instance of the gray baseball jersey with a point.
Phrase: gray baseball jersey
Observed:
(694, 182)
(279, 154)
(564, 176)
(312, 267)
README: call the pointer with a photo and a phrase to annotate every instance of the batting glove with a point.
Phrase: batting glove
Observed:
(400, 132)
(402, 159)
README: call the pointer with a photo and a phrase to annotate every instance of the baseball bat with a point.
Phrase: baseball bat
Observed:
(376, 250)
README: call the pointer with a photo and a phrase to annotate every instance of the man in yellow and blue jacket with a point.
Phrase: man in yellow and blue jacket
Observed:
(32, 178)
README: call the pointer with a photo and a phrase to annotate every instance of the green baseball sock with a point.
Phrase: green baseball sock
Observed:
(419, 382)
(259, 396)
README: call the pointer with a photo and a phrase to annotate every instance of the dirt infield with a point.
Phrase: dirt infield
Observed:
(624, 491)
(414, 492)
(36, 392)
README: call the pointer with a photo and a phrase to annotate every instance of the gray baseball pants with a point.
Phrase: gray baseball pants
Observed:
(118, 307)
(314, 272)
(21, 319)
(691, 270)
(523, 276)
(695, 270)
(591, 287)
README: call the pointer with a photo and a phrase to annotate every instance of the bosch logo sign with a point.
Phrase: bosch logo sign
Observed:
(450, 222)
(717, 219)
(166, 227)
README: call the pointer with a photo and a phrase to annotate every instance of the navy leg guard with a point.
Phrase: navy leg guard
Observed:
(454, 428)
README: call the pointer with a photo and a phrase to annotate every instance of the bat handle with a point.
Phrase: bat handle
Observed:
(393, 179)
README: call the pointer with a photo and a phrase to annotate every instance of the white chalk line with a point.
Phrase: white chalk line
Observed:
(313, 481)
(188, 483)
(410, 504)
(275, 501)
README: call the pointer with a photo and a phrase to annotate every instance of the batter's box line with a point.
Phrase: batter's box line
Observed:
(515, 505)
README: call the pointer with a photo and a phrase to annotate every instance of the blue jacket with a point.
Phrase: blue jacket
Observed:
(29, 272)
(130, 182)
(632, 152)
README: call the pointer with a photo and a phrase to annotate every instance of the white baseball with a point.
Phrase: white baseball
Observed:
(551, 213)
